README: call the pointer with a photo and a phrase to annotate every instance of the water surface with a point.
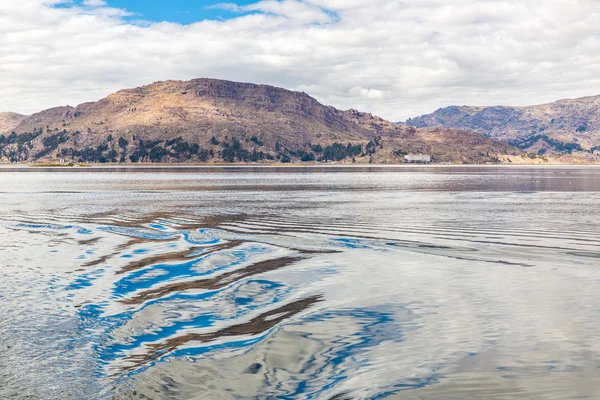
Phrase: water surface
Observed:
(300, 283)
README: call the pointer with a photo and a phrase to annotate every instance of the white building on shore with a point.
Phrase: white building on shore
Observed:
(417, 158)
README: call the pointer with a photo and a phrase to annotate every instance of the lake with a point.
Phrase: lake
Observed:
(300, 282)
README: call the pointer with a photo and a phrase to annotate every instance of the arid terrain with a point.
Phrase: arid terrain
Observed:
(564, 127)
(9, 121)
(208, 120)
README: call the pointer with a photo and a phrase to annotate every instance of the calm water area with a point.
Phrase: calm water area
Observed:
(387, 282)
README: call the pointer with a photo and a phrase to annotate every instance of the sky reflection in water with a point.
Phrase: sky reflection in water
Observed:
(301, 283)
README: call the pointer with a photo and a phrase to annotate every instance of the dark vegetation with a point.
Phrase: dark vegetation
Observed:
(16, 147)
(333, 152)
(556, 144)
(175, 149)
(234, 151)
(19, 139)
(99, 154)
(63, 144)
(255, 140)
(145, 151)
(51, 143)
(337, 152)
(123, 143)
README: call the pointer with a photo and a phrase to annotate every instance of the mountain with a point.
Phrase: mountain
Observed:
(9, 121)
(565, 126)
(209, 120)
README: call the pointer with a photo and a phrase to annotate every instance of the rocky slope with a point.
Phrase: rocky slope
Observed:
(9, 121)
(208, 120)
(565, 126)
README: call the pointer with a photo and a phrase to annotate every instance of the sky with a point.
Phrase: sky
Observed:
(394, 58)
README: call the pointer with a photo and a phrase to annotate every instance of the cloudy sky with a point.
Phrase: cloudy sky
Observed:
(397, 59)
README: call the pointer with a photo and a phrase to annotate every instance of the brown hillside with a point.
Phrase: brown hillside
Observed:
(9, 121)
(277, 122)
(565, 126)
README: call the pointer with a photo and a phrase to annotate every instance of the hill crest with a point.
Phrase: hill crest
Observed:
(210, 120)
(564, 126)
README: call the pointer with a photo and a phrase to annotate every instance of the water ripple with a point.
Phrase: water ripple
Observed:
(289, 305)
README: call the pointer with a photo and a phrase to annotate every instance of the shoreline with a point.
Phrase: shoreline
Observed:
(278, 165)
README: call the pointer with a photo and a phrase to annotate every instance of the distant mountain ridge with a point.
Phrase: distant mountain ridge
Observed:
(210, 120)
(9, 121)
(565, 126)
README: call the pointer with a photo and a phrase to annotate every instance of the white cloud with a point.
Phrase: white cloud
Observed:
(366, 93)
(94, 3)
(396, 59)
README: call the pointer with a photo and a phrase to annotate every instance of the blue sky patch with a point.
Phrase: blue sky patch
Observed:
(179, 11)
